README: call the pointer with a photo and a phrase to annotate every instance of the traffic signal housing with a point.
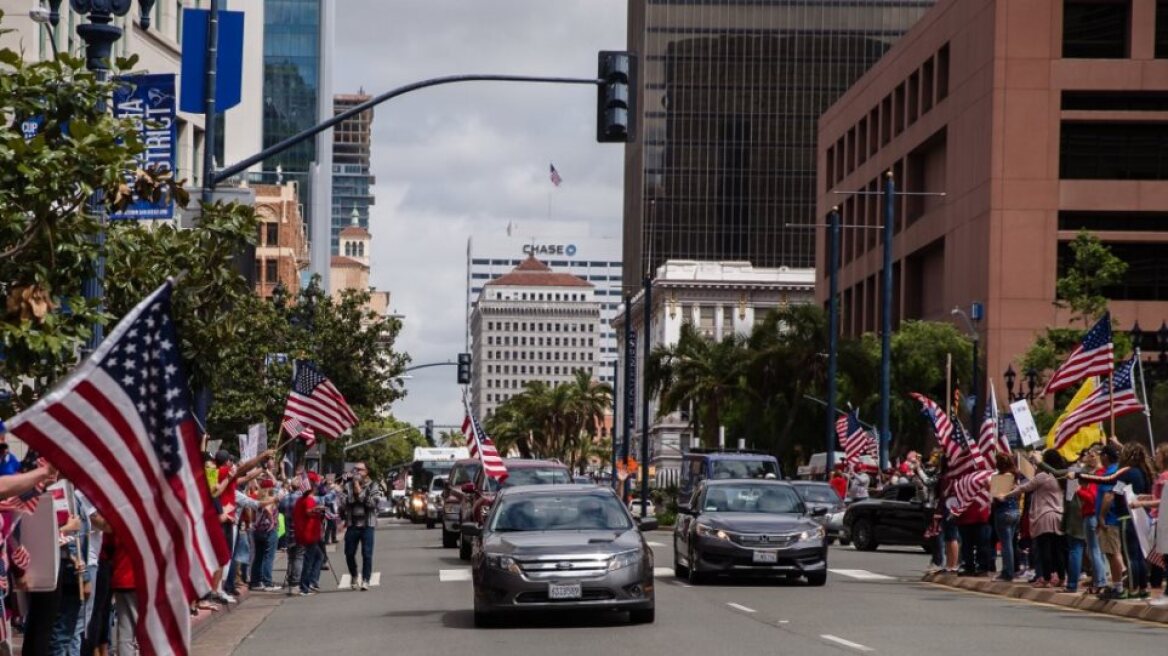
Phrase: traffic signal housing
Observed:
(464, 368)
(616, 106)
(430, 432)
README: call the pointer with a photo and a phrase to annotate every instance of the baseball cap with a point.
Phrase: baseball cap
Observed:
(222, 457)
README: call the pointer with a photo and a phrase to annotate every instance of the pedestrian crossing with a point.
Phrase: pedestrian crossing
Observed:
(347, 581)
(463, 574)
(861, 575)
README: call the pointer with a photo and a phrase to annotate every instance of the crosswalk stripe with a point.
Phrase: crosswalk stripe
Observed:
(663, 571)
(861, 574)
(345, 581)
(451, 575)
(375, 580)
(330, 548)
(656, 545)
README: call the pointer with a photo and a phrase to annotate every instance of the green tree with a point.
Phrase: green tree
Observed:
(1092, 269)
(382, 455)
(451, 438)
(697, 373)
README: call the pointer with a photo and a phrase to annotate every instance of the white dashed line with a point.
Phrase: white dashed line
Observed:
(656, 545)
(861, 574)
(346, 581)
(452, 575)
(846, 643)
(663, 572)
(740, 607)
(375, 580)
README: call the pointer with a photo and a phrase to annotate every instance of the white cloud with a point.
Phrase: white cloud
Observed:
(449, 160)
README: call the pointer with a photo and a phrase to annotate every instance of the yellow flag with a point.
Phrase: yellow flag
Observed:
(1086, 436)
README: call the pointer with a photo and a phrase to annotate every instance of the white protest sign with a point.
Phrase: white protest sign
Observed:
(1027, 430)
(244, 442)
(257, 435)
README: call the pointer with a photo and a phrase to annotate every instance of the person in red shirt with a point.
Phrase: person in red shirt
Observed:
(308, 522)
(122, 584)
(839, 483)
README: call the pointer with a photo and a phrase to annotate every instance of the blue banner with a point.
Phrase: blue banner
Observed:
(228, 64)
(149, 101)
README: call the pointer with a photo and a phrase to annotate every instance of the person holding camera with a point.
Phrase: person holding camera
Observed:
(360, 513)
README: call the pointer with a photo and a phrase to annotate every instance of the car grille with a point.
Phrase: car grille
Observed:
(566, 566)
(765, 541)
(586, 594)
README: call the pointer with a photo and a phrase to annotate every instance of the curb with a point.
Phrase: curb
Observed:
(208, 618)
(1139, 610)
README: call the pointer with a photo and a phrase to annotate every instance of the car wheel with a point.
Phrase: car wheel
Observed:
(863, 537)
(817, 578)
(693, 576)
(679, 571)
(449, 538)
(430, 523)
(831, 540)
(464, 548)
(643, 615)
(844, 542)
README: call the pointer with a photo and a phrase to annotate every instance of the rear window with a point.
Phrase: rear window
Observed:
(742, 468)
(818, 493)
(532, 476)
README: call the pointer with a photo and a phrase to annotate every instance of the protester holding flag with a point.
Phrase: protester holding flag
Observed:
(1046, 519)
(1006, 514)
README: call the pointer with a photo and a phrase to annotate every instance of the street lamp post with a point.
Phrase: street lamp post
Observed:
(974, 389)
(886, 322)
(99, 35)
(1010, 376)
(832, 332)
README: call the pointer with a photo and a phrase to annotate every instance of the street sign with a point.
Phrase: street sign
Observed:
(228, 66)
(149, 101)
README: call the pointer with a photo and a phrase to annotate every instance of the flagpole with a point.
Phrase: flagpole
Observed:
(1111, 400)
(1144, 393)
(948, 378)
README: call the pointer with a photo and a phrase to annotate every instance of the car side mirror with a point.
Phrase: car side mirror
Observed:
(647, 523)
(471, 530)
(818, 512)
(468, 488)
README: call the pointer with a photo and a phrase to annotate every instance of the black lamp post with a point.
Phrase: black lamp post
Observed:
(1010, 376)
(99, 35)
(1031, 384)
(1137, 336)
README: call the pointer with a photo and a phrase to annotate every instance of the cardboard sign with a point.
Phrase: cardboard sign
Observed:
(1027, 430)
(1001, 484)
(62, 493)
(38, 534)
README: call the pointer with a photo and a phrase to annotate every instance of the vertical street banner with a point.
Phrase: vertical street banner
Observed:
(150, 102)
(630, 383)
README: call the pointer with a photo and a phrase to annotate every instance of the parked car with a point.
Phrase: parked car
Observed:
(434, 501)
(478, 497)
(635, 507)
(710, 464)
(897, 517)
(464, 471)
(818, 495)
(560, 547)
(752, 527)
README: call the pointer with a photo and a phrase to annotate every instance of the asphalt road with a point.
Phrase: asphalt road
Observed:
(872, 603)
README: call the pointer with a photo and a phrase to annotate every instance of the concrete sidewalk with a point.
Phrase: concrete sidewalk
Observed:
(1131, 609)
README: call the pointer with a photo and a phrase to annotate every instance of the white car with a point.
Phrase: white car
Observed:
(635, 507)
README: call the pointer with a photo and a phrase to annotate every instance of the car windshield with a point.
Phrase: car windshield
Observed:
(748, 498)
(818, 494)
(532, 476)
(569, 512)
(738, 468)
(438, 483)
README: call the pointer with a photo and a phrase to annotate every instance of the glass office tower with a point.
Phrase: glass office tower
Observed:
(724, 163)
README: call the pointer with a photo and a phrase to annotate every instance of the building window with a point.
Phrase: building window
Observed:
(1096, 29)
(1161, 29)
(271, 270)
(1147, 273)
(1113, 151)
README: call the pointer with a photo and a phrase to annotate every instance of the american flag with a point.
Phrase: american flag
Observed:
(554, 175)
(852, 436)
(970, 456)
(942, 427)
(1094, 356)
(480, 446)
(1098, 406)
(25, 503)
(119, 427)
(316, 403)
(296, 429)
(971, 490)
(992, 439)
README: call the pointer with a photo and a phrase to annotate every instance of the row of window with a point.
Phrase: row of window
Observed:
(538, 355)
(508, 340)
(913, 98)
(540, 296)
(542, 327)
(534, 370)
(553, 263)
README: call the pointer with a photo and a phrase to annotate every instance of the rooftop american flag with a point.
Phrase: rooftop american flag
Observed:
(1094, 356)
(481, 447)
(119, 427)
(316, 403)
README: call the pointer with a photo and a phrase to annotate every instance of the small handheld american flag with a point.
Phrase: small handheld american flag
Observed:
(1094, 356)
(316, 403)
(554, 175)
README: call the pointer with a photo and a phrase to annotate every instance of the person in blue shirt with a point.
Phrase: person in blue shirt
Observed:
(9, 464)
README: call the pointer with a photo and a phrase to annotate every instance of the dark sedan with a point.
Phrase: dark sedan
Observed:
(821, 495)
(749, 527)
(898, 517)
(560, 547)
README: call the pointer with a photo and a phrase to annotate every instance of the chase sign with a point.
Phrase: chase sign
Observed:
(549, 249)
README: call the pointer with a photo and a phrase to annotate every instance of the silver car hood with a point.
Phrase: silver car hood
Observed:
(535, 543)
(757, 522)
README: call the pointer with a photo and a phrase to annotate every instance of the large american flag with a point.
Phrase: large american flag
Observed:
(480, 446)
(316, 403)
(942, 427)
(1098, 406)
(855, 440)
(1094, 356)
(119, 427)
(970, 456)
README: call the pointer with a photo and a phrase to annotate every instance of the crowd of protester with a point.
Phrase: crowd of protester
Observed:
(262, 511)
(1084, 527)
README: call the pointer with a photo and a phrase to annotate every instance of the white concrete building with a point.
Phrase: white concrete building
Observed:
(720, 299)
(530, 324)
(567, 247)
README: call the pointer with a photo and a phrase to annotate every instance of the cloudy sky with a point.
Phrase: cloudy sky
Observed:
(472, 156)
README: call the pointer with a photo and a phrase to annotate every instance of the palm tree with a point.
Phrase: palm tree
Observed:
(700, 373)
(452, 438)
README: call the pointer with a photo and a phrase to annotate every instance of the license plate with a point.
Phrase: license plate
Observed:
(766, 557)
(564, 591)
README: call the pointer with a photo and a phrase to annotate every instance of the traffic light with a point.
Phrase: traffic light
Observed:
(430, 432)
(464, 368)
(616, 106)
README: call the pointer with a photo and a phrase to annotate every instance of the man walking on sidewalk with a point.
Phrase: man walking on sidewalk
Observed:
(360, 512)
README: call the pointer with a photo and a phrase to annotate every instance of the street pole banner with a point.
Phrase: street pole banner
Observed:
(630, 383)
(149, 101)
(1027, 429)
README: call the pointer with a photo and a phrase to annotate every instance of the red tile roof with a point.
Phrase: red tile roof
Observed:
(533, 273)
(354, 231)
(341, 261)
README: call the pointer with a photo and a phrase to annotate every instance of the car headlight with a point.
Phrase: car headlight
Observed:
(624, 559)
(503, 563)
(816, 533)
(709, 532)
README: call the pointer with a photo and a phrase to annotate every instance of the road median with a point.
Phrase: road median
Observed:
(1132, 609)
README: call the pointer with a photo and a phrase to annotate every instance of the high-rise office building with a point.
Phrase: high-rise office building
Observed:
(298, 46)
(730, 90)
(352, 181)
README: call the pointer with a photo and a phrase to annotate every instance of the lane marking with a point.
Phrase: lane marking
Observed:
(656, 544)
(862, 575)
(330, 548)
(740, 607)
(846, 643)
(452, 575)
(375, 580)
(345, 582)
(683, 584)
(663, 572)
